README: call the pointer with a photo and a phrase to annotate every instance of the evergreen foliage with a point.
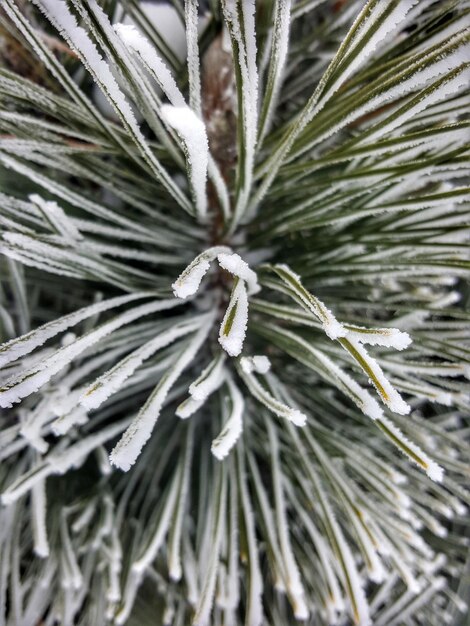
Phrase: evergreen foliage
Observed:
(235, 350)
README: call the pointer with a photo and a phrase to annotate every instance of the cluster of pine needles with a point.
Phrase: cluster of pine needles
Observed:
(234, 336)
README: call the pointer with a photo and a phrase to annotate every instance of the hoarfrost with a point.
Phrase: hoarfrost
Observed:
(258, 363)
(193, 133)
(190, 278)
(136, 436)
(210, 379)
(107, 384)
(232, 429)
(233, 328)
(234, 264)
(134, 40)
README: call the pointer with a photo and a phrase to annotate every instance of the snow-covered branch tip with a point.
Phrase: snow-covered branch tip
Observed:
(351, 338)
(192, 132)
(233, 328)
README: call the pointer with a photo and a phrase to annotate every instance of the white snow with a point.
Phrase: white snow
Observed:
(232, 429)
(443, 88)
(57, 217)
(433, 470)
(136, 436)
(188, 283)
(387, 337)
(278, 408)
(361, 397)
(280, 44)
(210, 379)
(137, 42)
(192, 131)
(107, 384)
(60, 16)
(260, 364)
(234, 264)
(244, 37)
(75, 417)
(220, 186)
(191, 19)
(38, 515)
(30, 380)
(368, 405)
(233, 327)
(296, 417)
(188, 407)
(389, 395)
(249, 10)
(20, 346)
(331, 326)
(190, 278)
(386, 26)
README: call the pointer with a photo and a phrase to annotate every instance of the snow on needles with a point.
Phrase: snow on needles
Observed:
(232, 429)
(60, 16)
(233, 327)
(139, 44)
(16, 348)
(33, 378)
(209, 380)
(139, 431)
(234, 264)
(190, 278)
(177, 115)
(257, 363)
(193, 134)
(352, 339)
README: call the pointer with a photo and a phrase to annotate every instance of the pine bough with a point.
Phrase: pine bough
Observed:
(289, 410)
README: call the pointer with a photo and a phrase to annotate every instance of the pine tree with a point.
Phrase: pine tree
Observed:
(235, 360)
